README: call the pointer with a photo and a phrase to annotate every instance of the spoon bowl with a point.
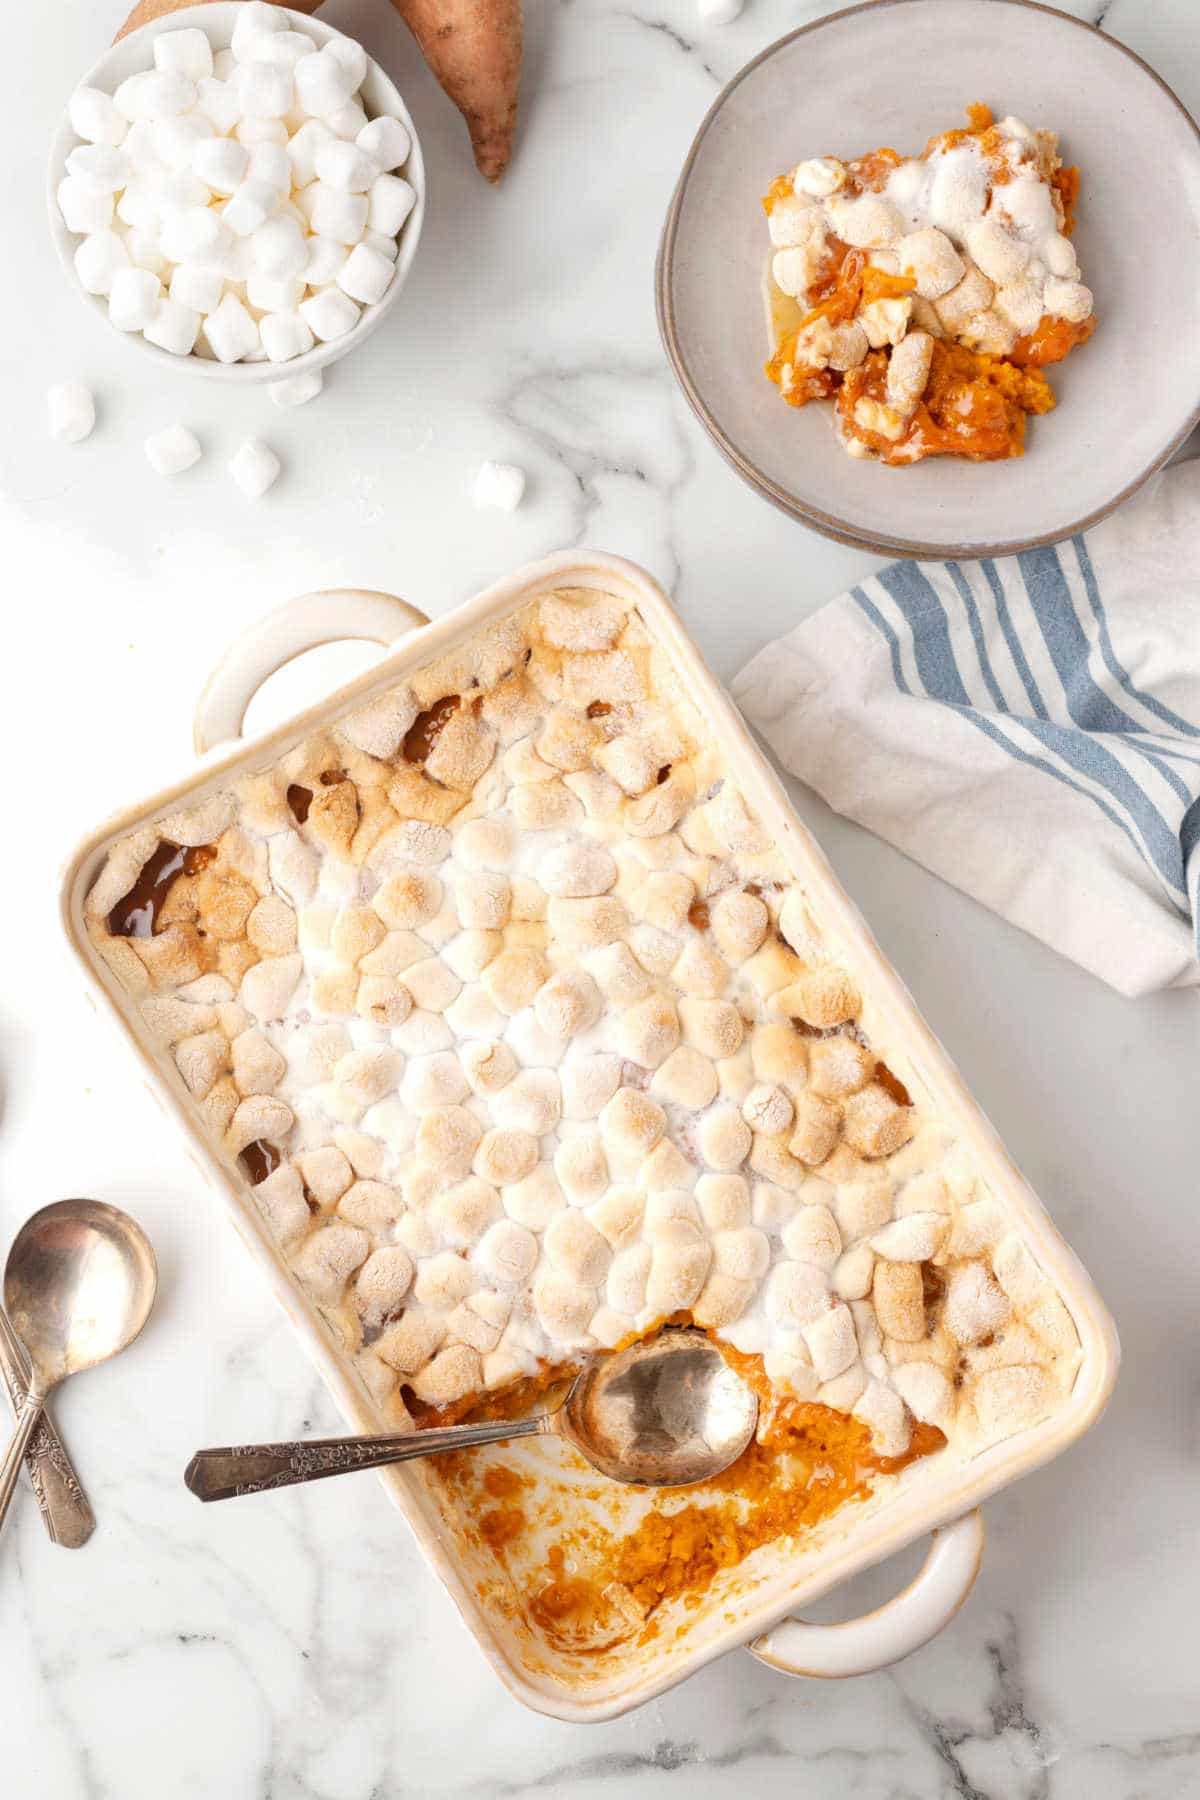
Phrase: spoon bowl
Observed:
(78, 1286)
(663, 1413)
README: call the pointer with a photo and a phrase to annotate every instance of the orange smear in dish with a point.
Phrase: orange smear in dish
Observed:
(593, 1589)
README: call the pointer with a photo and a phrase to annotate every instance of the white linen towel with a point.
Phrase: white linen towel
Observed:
(1027, 728)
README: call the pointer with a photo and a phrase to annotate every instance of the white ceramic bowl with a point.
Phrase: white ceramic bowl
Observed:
(379, 95)
(894, 72)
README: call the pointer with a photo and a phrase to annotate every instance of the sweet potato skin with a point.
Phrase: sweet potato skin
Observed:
(474, 49)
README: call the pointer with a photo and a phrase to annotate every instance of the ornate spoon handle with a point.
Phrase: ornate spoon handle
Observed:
(228, 1473)
(65, 1508)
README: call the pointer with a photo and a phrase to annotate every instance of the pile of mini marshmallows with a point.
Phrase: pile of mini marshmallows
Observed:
(237, 204)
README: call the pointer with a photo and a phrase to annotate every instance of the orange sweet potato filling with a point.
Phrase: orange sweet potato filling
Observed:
(810, 1461)
(974, 405)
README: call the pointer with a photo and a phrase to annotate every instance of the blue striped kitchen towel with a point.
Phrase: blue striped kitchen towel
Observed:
(1027, 728)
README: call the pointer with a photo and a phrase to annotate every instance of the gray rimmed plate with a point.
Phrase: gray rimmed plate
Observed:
(894, 72)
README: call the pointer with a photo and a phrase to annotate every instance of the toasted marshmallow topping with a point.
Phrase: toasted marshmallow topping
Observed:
(514, 1081)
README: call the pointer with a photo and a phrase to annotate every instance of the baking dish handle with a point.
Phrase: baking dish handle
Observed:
(893, 1630)
(326, 617)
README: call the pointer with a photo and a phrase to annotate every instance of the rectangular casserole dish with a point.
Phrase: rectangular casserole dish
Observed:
(746, 1601)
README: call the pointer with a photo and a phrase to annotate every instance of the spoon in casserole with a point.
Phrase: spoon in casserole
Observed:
(78, 1287)
(665, 1413)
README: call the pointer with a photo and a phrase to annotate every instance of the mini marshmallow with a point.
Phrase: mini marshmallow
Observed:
(270, 295)
(501, 485)
(72, 412)
(231, 333)
(352, 57)
(186, 52)
(173, 327)
(282, 47)
(347, 120)
(94, 116)
(194, 234)
(155, 94)
(255, 19)
(250, 206)
(197, 287)
(251, 132)
(217, 102)
(133, 298)
(284, 335)
(269, 164)
(297, 390)
(255, 468)
(342, 217)
(302, 149)
(172, 450)
(325, 258)
(391, 200)
(329, 314)
(323, 83)
(175, 142)
(83, 209)
(720, 12)
(345, 167)
(98, 259)
(385, 140)
(101, 168)
(366, 276)
(278, 249)
(264, 90)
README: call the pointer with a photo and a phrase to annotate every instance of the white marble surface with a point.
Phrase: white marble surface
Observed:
(296, 1647)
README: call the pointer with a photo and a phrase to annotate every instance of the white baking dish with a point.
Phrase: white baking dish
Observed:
(750, 1604)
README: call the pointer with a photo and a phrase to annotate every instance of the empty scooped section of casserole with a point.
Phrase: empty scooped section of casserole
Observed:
(924, 296)
(521, 1030)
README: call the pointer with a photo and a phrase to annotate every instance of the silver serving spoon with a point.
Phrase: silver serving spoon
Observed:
(78, 1287)
(664, 1413)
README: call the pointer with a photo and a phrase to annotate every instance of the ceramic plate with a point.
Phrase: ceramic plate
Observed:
(894, 72)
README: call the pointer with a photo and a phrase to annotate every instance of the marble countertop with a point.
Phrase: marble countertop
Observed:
(296, 1647)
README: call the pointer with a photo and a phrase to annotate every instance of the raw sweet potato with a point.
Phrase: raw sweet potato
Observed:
(474, 49)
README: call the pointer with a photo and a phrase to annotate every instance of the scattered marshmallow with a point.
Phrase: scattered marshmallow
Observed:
(720, 12)
(173, 450)
(498, 484)
(255, 468)
(72, 412)
(297, 390)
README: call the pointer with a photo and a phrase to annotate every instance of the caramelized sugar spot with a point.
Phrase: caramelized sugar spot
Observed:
(427, 727)
(136, 915)
(299, 800)
(260, 1159)
(892, 1085)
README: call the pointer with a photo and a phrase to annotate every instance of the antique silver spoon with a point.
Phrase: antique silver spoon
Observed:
(664, 1413)
(78, 1287)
